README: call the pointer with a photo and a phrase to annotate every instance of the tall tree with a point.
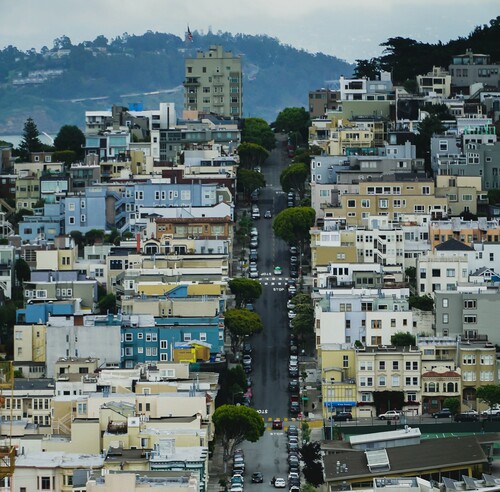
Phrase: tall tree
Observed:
(489, 394)
(294, 177)
(241, 323)
(294, 120)
(293, 224)
(313, 463)
(252, 155)
(30, 142)
(258, 131)
(248, 181)
(367, 68)
(426, 129)
(235, 424)
(245, 290)
(22, 270)
(70, 137)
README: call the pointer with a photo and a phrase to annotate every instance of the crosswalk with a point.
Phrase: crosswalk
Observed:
(268, 279)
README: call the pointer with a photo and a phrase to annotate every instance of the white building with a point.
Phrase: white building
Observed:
(370, 316)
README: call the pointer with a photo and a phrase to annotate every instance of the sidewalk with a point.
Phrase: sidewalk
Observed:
(216, 469)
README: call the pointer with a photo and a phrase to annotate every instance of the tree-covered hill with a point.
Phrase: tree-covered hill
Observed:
(148, 69)
(406, 58)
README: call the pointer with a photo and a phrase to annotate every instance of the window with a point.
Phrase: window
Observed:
(163, 344)
(395, 381)
(365, 381)
(469, 359)
(436, 272)
(469, 304)
(381, 380)
(44, 483)
(365, 203)
(446, 318)
(395, 365)
(470, 318)
(445, 302)
(383, 203)
(376, 340)
(129, 337)
(345, 361)
(366, 365)
(187, 337)
(450, 272)
(351, 203)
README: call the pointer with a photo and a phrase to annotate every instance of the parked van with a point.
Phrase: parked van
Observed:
(255, 213)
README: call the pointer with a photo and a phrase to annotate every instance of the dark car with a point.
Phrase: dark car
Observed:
(342, 417)
(294, 273)
(294, 350)
(293, 371)
(442, 414)
(466, 417)
(292, 430)
(293, 386)
(294, 407)
(247, 348)
(277, 424)
(257, 477)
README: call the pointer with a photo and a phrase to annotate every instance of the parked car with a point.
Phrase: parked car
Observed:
(254, 242)
(293, 386)
(294, 273)
(293, 371)
(292, 430)
(291, 314)
(390, 415)
(293, 250)
(491, 411)
(342, 417)
(254, 232)
(247, 348)
(466, 417)
(443, 413)
(257, 477)
(267, 214)
(294, 407)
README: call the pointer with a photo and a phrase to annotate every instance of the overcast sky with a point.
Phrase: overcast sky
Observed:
(347, 29)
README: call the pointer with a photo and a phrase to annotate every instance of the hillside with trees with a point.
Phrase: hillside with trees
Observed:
(55, 86)
(406, 58)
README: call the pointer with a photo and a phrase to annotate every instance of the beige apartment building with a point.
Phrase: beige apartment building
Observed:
(213, 83)
(389, 198)
(464, 193)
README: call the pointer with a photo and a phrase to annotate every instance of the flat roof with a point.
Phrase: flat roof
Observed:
(407, 433)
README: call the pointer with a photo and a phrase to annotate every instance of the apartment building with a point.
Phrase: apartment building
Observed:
(368, 316)
(338, 379)
(322, 100)
(388, 378)
(470, 312)
(470, 68)
(213, 83)
(464, 193)
(443, 269)
(436, 82)
(392, 198)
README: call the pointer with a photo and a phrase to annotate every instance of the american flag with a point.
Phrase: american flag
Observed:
(189, 35)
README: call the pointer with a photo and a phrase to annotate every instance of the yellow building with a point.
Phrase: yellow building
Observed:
(334, 245)
(465, 231)
(338, 371)
(392, 199)
(464, 193)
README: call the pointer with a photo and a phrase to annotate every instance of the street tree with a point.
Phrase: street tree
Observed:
(252, 155)
(401, 339)
(70, 137)
(294, 177)
(293, 224)
(236, 376)
(258, 131)
(453, 404)
(303, 326)
(241, 323)
(294, 120)
(489, 394)
(301, 298)
(235, 424)
(30, 141)
(245, 290)
(249, 181)
(313, 463)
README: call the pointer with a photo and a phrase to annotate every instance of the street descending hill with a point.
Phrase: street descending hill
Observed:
(56, 86)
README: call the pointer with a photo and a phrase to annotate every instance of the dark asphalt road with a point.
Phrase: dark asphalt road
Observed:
(270, 368)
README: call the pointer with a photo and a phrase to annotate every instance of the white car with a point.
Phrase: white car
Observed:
(291, 314)
(254, 232)
(290, 305)
(280, 483)
(253, 274)
(390, 415)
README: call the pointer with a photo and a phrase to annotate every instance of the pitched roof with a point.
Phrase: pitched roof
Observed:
(453, 245)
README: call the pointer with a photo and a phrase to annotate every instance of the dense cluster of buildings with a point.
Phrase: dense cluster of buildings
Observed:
(103, 392)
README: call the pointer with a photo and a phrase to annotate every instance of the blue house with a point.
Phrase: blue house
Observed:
(86, 212)
(47, 223)
(156, 343)
(39, 312)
